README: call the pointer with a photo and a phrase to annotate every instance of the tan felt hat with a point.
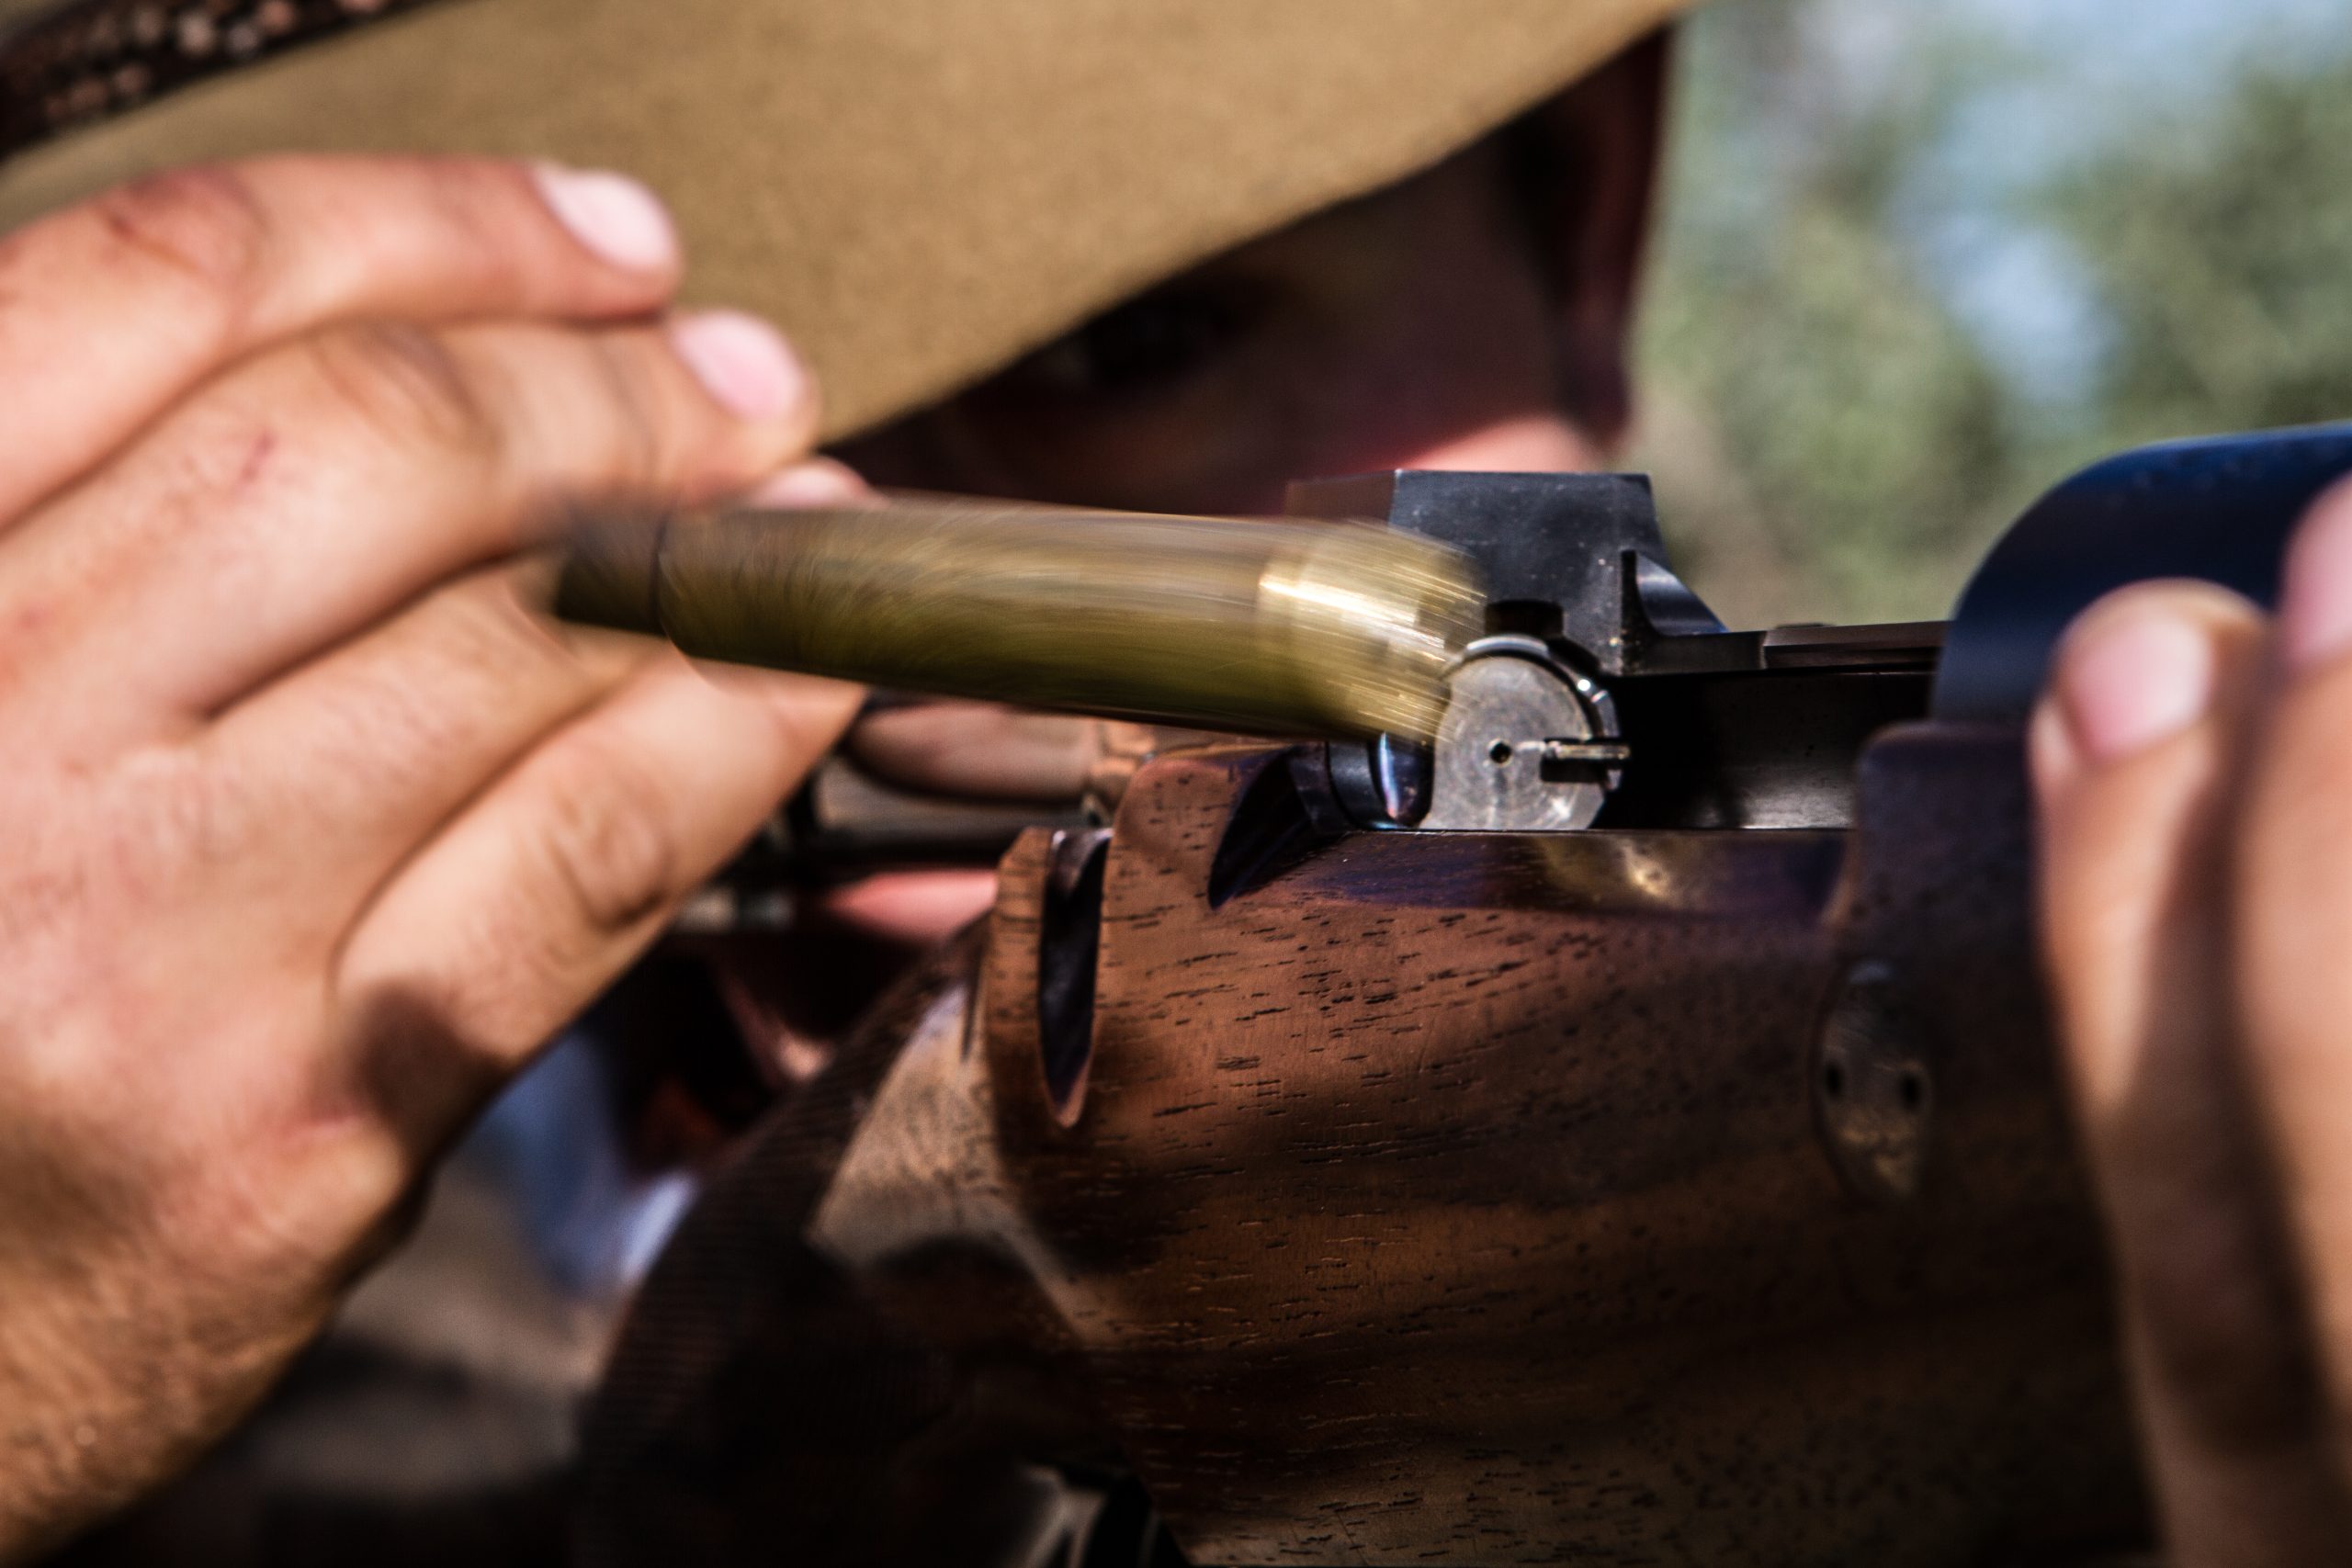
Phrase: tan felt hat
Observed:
(918, 190)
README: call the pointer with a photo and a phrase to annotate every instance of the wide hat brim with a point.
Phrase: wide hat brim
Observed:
(918, 191)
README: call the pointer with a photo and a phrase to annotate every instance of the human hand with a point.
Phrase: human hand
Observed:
(992, 757)
(2194, 769)
(317, 829)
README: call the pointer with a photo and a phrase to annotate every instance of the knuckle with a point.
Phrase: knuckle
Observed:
(425, 1053)
(206, 225)
(485, 630)
(451, 677)
(475, 204)
(388, 735)
(405, 387)
(173, 811)
(644, 442)
(607, 843)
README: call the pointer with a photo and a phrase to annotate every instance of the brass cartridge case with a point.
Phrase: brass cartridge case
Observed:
(1267, 627)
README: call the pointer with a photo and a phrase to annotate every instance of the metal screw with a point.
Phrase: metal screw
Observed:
(1872, 1091)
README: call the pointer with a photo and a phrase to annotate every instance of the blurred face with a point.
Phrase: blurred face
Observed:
(1471, 317)
(1409, 330)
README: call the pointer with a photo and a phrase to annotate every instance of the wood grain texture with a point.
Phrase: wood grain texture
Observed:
(1462, 1198)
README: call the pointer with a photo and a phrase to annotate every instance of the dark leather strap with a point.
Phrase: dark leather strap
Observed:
(80, 62)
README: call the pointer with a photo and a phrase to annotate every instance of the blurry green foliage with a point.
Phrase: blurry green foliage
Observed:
(1830, 440)
(2223, 246)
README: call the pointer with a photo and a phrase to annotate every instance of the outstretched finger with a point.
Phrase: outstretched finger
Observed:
(345, 766)
(112, 309)
(2135, 755)
(509, 922)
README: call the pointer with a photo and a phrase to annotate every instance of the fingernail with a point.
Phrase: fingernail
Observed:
(2316, 597)
(613, 215)
(818, 482)
(2131, 679)
(743, 361)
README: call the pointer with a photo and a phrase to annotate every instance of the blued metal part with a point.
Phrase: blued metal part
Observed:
(1384, 782)
(1895, 645)
(1281, 628)
(1070, 942)
(845, 823)
(1295, 806)
(2219, 510)
(845, 820)
(1761, 748)
(1711, 729)
(1898, 645)
(1577, 556)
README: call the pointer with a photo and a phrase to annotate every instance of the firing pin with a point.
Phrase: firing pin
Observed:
(1264, 628)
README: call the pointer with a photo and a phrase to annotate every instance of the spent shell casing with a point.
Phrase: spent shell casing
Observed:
(1265, 628)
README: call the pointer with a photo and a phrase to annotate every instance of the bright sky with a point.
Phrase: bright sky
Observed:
(2088, 71)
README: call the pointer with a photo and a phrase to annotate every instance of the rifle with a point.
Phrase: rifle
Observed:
(1621, 1128)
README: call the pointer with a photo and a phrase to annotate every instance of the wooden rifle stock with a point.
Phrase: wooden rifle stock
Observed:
(1268, 1182)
